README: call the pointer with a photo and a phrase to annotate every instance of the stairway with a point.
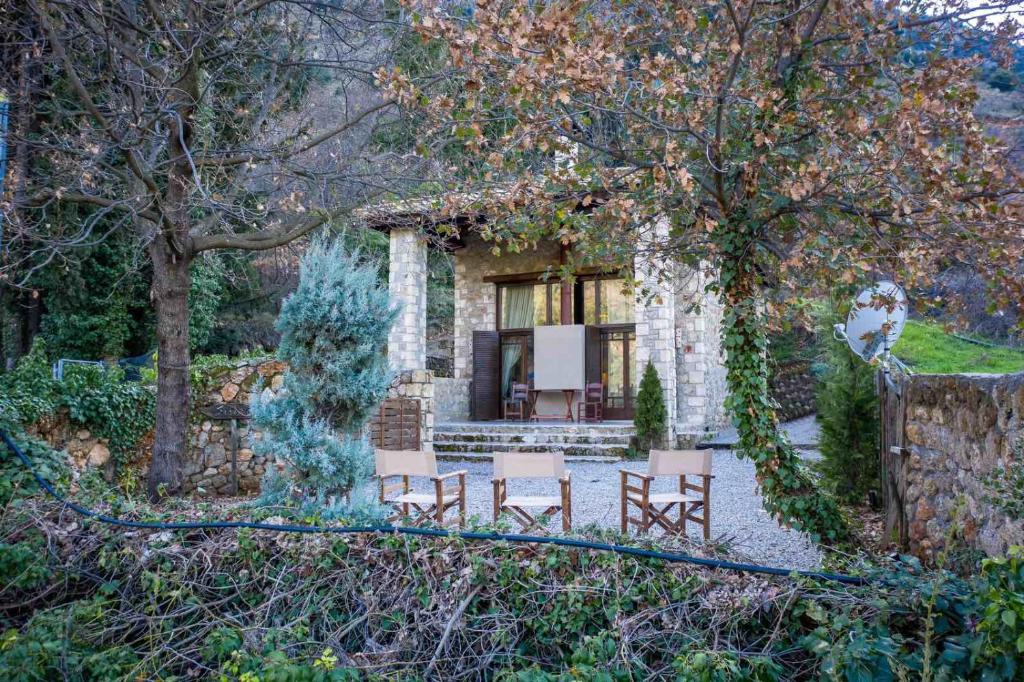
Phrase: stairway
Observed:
(605, 441)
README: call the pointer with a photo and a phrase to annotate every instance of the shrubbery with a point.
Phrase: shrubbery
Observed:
(96, 398)
(248, 605)
(334, 331)
(848, 415)
(650, 416)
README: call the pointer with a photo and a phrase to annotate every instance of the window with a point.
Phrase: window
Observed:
(605, 302)
(521, 306)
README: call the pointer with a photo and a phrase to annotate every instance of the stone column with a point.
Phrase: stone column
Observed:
(407, 282)
(407, 341)
(656, 319)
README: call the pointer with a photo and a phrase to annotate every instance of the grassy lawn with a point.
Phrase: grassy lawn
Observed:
(926, 349)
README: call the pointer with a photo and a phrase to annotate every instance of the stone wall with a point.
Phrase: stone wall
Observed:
(793, 388)
(451, 399)
(83, 448)
(210, 463)
(208, 470)
(959, 429)
(655, 314)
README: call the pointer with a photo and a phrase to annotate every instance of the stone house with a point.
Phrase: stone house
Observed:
(501, 301)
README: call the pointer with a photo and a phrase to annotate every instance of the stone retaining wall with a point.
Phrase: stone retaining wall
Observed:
(959, 429)
(208, 471)
(793, 388)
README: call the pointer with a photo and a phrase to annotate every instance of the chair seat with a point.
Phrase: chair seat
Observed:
(665, 498)
(422, 498)
(532, 501)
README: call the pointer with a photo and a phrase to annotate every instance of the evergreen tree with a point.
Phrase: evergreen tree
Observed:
(848, 415)
(334, 330)
(651, 416)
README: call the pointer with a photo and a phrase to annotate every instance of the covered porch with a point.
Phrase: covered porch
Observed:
(500, 303)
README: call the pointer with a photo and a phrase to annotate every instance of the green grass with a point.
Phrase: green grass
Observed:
(926, 349)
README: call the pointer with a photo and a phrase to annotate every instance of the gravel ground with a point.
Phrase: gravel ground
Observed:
(736, 513)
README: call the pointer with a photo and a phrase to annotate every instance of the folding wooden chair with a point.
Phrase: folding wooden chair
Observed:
(427, 506)
(656, 507)
(591, 408)
(515, 406)
(531, 465)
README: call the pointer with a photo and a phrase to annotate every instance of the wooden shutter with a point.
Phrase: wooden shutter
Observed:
(592, 355)
(486, 375)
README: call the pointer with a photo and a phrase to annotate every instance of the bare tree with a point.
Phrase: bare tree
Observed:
(195, 127)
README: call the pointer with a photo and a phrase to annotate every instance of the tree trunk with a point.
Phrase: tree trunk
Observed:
(790, 493)
(170, 293)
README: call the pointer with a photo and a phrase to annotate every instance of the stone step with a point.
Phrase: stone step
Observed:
(532, 438)
(569, 449)
(610, 429)
(489, 456)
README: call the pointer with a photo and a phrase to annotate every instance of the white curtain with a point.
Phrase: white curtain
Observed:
(516, 313)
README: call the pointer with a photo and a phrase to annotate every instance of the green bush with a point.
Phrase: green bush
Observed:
(291, 607)
(848, 415)
(97, 398)
(650, 417)
(334, 329)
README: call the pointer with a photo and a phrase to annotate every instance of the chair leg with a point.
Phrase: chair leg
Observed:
(624, 509)
(497, 500)
(462, 500)
(566, 506)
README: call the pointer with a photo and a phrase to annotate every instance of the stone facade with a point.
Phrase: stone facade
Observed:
(407, 283)
(476, 300)
(681, 339)
(698, 356)
(655, 315)
(959, 429)
(451, 399)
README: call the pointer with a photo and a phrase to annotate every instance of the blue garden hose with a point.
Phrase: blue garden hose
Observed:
(431, 532)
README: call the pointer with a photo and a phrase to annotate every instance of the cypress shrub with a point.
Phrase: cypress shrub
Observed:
(651, 416)
(848, 416)
(334, 331)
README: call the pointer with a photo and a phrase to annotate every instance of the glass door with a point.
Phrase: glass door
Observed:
(616, 372)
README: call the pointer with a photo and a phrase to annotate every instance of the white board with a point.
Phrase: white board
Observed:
(558, 357)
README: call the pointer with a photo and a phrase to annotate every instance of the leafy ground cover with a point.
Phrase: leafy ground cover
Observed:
(85, 601)
(927, 349)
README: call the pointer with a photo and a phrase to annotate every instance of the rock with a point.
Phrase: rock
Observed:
(277, 382)
(99, 454)
(83, 435)
(271, 368)
(229, 392)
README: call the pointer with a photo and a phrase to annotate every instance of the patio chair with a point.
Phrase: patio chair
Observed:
(508, 465)
(516, 404)
(591, 408)
(402, 498)
(693, 501)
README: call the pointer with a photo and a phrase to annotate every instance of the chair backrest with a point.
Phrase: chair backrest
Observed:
(405, 463)
(594, 392)
(679, 462)
(519, 391)
(529, 465)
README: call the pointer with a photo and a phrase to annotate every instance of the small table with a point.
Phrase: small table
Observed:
(534, 394)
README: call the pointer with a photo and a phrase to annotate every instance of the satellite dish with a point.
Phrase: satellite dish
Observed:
(876, 320)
